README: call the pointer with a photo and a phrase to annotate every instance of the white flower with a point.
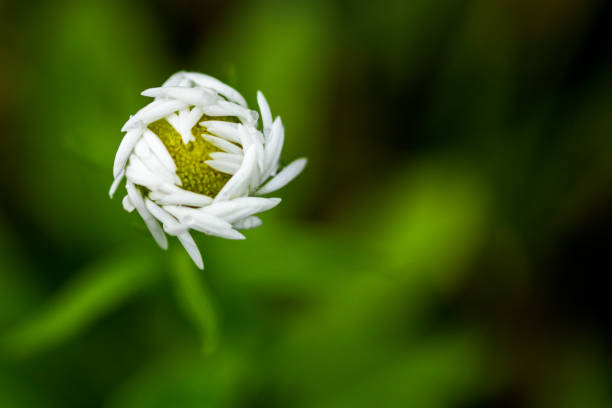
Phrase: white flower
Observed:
(194, 159)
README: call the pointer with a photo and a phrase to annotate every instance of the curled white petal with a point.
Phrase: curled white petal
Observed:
(283, 177)
(238, 208)
(239, 183)
(174, 120)
(222, 143)
(154, 111)
(249, 137)
(207, 81)
(127, 204)
(179, 123)
(248, 223)
(225, 108)
(153, 164)
(246, 137)
(230, 157)
(125, 149)
(226, 130)
(151, 223)
(186, 82)
(193, 117)
(274, 146)
(139, 174)
(116, 183)
(227, 167)
(178, 196)
(189, 96)
(171, 224)
(204, 222)
(192, 249)
(159, 149)
(175, 79)
(266, 115)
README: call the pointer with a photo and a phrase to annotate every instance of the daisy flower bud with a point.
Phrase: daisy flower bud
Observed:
(195, 159)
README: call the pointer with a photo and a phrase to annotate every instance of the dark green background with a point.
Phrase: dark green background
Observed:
(447, 246)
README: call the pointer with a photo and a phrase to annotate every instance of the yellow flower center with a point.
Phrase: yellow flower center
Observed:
(190, 158)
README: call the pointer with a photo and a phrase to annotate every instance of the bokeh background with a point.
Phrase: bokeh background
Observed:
(447, 246)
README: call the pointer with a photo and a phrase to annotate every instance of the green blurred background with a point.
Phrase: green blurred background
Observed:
(447, 245)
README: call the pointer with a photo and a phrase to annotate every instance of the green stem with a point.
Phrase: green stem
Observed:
(195, 300)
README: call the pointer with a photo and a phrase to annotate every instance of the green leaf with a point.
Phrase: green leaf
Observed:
(98, 289)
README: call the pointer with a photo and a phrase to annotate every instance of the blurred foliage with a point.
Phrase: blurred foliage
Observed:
(446, 246)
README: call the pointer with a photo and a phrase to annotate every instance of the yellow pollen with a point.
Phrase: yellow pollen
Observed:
(190, 158)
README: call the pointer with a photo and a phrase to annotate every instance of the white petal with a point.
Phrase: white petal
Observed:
(261, 160)
(204, 222)
(239, 183)
(274, 147)
(207, 81)
(227, 167)
(190, 96)
(193, 117)
(252, 137)
(159, 149)
(239, 208)
(225, 108)
(175, 79)
(191, 248)
(266, 115)
(182, 124)
(222, 143)
(137, 201)
(180, 197)
(142, 150)
(152, 112)
(246, 138)
(125, 149)
(173, 120)
(171, 225)
(248, 223)
(285, 176)
(127, 204)
(116, 183)
(182, 114)
(230, 157)
(138, 173)
(186, 82)
(226, 130)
